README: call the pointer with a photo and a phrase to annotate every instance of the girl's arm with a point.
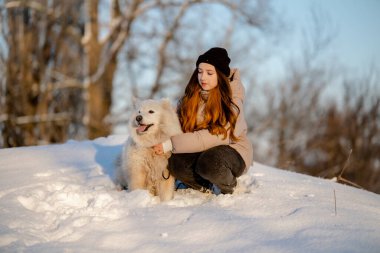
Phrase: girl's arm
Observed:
(197, 141)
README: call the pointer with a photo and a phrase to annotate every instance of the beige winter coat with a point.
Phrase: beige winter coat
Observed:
(202, 140)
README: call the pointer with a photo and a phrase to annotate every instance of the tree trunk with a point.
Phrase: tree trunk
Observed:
(22, 91)
(99, 90)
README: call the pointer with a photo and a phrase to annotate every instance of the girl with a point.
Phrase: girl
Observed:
(214, 148)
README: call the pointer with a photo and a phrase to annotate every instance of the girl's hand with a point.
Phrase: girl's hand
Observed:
(158, 149)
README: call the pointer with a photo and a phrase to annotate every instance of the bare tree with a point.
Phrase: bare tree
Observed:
(291, 108)
(349, 130)
(61, 58)
(40, 45)
(158, 59)
(307, 134)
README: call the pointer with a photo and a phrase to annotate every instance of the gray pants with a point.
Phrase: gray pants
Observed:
(220, 165)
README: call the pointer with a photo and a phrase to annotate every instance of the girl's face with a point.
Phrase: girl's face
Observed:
(207, 76)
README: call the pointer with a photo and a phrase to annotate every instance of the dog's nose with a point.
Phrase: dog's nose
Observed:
(139, 118)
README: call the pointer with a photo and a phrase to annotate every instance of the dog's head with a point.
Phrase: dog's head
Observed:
(146, 117)
(146, 123)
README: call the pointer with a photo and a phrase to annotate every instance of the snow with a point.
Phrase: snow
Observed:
(61, 198)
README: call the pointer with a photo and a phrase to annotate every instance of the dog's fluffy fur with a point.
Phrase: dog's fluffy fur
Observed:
(151, 123)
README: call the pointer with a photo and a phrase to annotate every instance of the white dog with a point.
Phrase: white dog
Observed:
(152, 122)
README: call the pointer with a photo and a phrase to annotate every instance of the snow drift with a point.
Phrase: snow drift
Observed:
(61, 198)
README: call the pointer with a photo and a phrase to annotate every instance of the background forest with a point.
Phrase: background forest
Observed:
(69, 70)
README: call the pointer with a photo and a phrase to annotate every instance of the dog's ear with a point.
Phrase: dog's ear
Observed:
(170, 122)
(166, 104)
(135, 102)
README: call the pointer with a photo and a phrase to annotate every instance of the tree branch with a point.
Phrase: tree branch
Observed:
(341, 179)
(122, 27)
(162, 50)
(64, 116)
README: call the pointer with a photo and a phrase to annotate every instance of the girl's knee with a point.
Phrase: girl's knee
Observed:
(211, 161)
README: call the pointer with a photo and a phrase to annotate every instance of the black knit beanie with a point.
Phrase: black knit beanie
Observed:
(218, 57)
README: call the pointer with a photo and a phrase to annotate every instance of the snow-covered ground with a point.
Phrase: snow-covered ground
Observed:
(61, 198)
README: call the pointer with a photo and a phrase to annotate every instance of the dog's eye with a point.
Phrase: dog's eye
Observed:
(151, 111)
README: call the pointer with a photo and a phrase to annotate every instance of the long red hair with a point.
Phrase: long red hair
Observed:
(219, 111)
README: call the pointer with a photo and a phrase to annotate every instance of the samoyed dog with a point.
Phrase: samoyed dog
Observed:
(152, 122)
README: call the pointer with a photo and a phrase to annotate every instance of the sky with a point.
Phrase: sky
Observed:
(357, 22)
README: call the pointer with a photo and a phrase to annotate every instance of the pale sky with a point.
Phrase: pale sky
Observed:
(357, 44)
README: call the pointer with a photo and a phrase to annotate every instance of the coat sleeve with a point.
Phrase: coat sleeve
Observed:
(197, 141)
